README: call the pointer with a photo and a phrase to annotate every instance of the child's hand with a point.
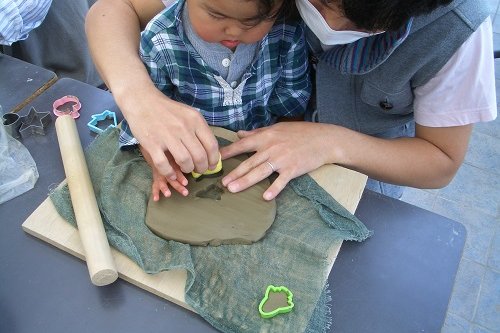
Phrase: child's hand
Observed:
(160, 182)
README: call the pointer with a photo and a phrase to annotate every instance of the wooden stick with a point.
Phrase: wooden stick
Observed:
(100, 262)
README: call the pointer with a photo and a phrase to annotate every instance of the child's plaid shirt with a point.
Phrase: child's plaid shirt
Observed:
(275, 85)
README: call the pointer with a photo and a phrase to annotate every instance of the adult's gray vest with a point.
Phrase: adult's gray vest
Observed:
(382, 99)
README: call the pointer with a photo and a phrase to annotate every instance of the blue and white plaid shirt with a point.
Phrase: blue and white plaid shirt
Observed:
(276, 84)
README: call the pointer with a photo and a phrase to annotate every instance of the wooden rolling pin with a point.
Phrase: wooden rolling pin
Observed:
(90, 227)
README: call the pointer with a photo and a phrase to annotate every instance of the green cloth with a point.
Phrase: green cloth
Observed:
(226, 283)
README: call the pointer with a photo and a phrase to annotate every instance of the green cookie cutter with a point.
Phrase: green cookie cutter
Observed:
(280, 309)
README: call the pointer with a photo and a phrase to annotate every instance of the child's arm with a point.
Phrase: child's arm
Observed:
(160, 182)
(293, 89)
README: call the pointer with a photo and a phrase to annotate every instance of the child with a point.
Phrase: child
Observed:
(239, 62)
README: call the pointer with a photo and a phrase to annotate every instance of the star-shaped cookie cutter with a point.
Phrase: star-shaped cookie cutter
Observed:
(96, 118)
(34, 122)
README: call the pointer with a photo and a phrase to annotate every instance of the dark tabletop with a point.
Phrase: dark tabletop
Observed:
(20, 82)
(400, 280)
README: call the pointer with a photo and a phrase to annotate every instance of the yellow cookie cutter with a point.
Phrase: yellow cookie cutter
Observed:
(209, 172)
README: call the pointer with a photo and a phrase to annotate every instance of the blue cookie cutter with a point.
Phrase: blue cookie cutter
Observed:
(96, 118)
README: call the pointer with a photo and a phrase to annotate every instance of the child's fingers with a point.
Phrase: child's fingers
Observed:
(155, 191)
(160, 186)
(181, 178)
(179, 187)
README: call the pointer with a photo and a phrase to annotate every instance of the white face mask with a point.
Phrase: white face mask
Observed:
(326, 35)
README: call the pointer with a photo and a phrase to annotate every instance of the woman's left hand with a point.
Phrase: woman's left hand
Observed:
(290, 148)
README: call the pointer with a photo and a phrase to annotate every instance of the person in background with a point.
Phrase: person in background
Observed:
(19, 17)
(398, 87)
(59, 44)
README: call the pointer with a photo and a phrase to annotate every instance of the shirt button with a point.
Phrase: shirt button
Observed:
(226, 62)
(234, 84)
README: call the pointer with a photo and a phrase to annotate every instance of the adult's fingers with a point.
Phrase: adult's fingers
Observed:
(250, 141)
(255, 173)
(237, 148)
(197, 156)
(162, 163)
(245, 173)
(210, 145)
(276, 187)
(181, 156)
(244, 134)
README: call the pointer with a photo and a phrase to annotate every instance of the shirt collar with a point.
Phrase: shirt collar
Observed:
(366, 54)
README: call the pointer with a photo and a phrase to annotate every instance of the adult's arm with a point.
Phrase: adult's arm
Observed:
(463, 92)
(429, 160)
(159, 123)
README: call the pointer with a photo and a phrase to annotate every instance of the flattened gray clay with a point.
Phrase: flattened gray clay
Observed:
(211, 215)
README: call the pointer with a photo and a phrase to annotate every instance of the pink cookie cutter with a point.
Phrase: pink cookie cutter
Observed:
(71, 109)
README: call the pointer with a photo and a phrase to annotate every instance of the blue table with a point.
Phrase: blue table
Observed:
(20, 82)
(400, 280)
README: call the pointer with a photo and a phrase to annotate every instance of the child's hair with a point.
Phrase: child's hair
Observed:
(376, 15)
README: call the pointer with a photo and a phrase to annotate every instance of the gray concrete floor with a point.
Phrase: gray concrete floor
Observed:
(473, 198)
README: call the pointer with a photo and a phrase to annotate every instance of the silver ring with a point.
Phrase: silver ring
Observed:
(271, 165)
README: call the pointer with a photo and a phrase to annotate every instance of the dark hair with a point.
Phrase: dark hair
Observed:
(389, 15)
(286, 9)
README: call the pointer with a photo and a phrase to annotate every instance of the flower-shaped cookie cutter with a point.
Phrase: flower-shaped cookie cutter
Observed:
(269, 308)
(96, 118)
(67, 105)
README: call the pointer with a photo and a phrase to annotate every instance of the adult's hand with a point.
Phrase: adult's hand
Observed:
(291, 149)
(428, 160)
(162, 125)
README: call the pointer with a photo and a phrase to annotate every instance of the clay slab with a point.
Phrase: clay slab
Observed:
(211, 215)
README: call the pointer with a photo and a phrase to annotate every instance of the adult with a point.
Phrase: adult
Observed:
(382, 69)
(59, 43)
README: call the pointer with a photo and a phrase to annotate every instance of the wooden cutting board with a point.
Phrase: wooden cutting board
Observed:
(346, 186)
